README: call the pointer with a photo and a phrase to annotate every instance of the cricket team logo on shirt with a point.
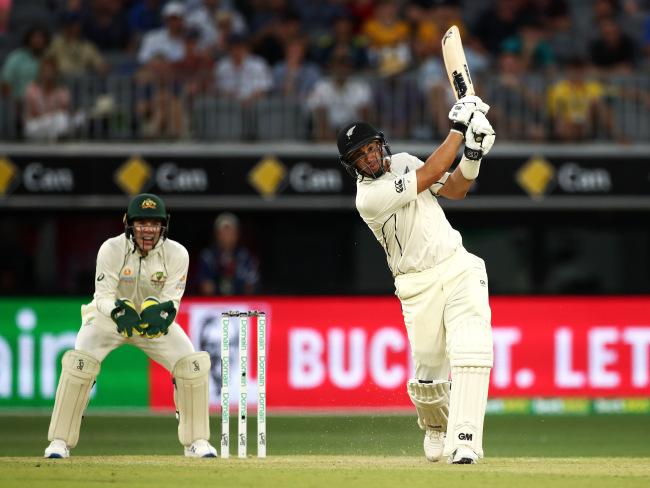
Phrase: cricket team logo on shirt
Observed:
(126, 275)
(158, 279)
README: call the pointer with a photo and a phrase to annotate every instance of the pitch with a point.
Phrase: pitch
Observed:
(143, 451)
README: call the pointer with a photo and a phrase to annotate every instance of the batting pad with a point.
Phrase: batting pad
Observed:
(72, 394)
(431, 401)
(467, 409)
(470, 343)
(191, 397)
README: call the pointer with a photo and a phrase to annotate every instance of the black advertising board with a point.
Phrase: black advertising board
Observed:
(313, 179)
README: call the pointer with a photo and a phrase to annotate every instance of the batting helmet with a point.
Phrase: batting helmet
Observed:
(146, 206)
(354, 136)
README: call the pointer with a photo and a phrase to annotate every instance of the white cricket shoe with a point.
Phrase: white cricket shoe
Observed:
(463, 455)
(200, 449)
(434, 442)
(57, 450)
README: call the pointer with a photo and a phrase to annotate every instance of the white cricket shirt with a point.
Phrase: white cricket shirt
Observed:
(411, 227)
(123, 273)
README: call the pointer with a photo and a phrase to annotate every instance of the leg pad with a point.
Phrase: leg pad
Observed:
(191, 397)
(467, 409)
(431, 401)
(72, 394)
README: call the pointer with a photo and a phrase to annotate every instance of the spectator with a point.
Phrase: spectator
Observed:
(47, 105)
(21, 66)
(209, 18)
(105, 24)
(496, 24)
(145, 16)
(434, 85)
(295, 77)
(266, 13)
(195, 69)
(318, 16)
(515, 105)
(227, 267)
(159, 107)
(531, 46)
(168, 41)
(388, 39)
(613, 51)
(646, 42)
(75, 55)
(338, 99)
(270, 42)
(576, 105)
(560, 31)
(431, 20)
(341, 38)
(242, 75)
(360, 12)
(5, 10)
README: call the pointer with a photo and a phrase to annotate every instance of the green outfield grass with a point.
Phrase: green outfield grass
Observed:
(594, 452)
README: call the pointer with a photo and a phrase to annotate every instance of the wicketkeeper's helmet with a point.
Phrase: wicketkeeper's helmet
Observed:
(354, 136)
(146, 206)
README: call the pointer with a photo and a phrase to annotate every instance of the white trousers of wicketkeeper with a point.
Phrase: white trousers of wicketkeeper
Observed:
(97, 337)
(447, 316)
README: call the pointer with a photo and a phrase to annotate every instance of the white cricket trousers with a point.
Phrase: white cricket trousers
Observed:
(98, 336)
(435, 301)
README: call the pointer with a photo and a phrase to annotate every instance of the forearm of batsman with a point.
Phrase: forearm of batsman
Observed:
(439, 161)
(456, 186)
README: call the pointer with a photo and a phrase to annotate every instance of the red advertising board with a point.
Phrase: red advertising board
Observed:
(328, 353)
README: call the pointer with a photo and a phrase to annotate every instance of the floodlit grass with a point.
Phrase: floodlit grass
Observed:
(346, 451)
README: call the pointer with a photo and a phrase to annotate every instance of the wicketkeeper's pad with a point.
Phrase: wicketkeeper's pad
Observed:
(191, 397)
(72, 394)
(431, 401)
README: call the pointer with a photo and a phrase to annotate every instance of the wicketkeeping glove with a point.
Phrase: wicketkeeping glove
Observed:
(126, 317)
(156, 317)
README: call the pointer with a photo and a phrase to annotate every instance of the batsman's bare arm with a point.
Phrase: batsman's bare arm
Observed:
(439, 162)
(456, 186)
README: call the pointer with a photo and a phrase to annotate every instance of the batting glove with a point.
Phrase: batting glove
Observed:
(461, 112)
(479, 139)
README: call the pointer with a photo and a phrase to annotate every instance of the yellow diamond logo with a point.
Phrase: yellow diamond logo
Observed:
(267, 175)
(8, 172)
(133, 175)
(535, 175)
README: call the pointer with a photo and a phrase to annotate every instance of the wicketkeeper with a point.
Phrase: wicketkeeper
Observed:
(442, 287)
(139, 283)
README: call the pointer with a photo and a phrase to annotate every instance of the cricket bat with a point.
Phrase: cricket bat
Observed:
(456, 64)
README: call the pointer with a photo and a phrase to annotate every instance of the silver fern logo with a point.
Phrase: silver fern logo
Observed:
(350, 131)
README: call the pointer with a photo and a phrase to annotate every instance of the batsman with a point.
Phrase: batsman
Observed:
(443, 289)
(139, 282)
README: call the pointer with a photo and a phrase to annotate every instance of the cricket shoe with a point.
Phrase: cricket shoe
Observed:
(463, 455)
(434, 442)
(200, 449)
(57, 450)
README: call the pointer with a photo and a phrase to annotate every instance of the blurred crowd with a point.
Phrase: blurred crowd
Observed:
(556, 70)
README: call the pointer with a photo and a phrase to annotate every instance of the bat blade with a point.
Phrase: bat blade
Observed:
(456, 64)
